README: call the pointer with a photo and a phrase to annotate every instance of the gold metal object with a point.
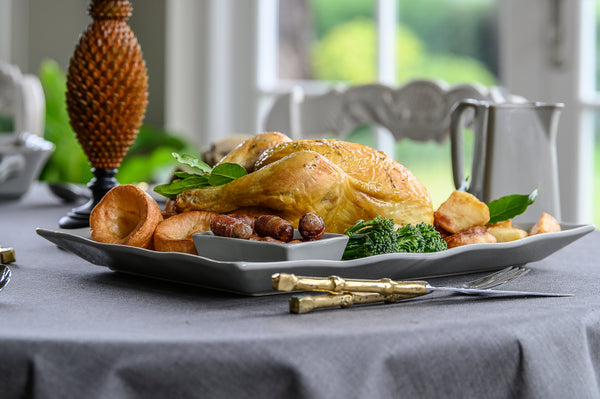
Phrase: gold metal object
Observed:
(384, 286)
(7, 255)
(306, 303)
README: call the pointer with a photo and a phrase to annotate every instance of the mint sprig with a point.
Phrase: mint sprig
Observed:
(509, 206)
(206, 176)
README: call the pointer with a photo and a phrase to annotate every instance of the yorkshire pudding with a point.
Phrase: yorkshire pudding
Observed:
(175, 233)
(126, 215)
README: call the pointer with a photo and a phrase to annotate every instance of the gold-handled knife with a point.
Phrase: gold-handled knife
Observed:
(306, 303)
(384, 286)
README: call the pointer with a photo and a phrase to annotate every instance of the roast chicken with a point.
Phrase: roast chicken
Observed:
(341, 181)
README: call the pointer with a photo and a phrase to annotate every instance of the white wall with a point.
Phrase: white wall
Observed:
(34, 30)
(211, 68)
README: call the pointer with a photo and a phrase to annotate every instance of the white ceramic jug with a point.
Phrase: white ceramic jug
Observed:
(514, 152)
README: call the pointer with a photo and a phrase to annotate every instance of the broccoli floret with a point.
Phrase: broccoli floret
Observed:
(420, 238)
(371, 237)
(410, 239)
(377, 236)
(433, 240)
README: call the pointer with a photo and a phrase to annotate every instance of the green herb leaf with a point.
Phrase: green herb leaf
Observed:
(217, 176)
(192, 162)
(509, 206)
(225, 172)
(170, 190)
(183, 175)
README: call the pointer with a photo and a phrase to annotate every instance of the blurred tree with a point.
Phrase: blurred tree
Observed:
(461, 28)
(464, 27)
(328, 14)
(347, 53)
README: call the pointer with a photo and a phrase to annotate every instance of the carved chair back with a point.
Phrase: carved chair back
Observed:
(418, 110)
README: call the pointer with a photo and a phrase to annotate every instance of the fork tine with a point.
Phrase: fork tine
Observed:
(490, 277)
(500, 279)
(495, 279)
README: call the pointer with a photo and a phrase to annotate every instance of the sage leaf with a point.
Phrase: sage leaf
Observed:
(192, 162)
(217, 176)
(509, 206)
(225, 172)
(170, 190)
(183, 175)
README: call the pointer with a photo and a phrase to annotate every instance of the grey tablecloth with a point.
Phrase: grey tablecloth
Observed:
(69, 329)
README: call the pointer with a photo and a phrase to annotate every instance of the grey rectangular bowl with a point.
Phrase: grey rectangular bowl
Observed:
(329, 247)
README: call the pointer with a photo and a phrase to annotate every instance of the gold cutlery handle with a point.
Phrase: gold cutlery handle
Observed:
(384, 286)
(306, 303)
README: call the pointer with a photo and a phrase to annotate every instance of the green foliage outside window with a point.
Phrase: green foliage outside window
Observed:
(347, 53)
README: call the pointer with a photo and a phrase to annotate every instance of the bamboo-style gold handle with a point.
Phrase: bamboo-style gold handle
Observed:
(384, 286)
(306, 303)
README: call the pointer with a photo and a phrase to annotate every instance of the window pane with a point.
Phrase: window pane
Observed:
(454, 41)
(327, 40)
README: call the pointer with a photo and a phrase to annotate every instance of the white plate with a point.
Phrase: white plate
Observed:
(254, 278)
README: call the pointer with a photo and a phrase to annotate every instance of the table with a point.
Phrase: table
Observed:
(69, 329)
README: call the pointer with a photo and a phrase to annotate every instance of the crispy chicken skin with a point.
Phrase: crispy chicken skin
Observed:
(340, 181)
(248, 151)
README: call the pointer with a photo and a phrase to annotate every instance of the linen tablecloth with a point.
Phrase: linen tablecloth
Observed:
(69, 329)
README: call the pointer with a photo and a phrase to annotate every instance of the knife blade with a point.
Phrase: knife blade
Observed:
(384, 286)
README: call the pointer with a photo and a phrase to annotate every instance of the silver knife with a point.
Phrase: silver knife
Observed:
(384, 286)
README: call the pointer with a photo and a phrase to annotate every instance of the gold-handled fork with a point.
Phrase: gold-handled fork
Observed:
(348, 292)
(4, 276)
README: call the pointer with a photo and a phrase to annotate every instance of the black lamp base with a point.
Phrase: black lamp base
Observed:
(101, 183)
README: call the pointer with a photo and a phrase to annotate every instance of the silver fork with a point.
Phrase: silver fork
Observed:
(4, 276)
(498, 278)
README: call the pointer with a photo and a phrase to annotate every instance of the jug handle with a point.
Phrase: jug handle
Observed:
(10, 166)
(457, 144)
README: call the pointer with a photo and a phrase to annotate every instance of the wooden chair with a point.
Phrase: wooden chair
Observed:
(418, 110)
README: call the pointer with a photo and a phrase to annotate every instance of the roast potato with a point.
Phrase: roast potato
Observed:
(473, 235)
(461, 211)
(545, 224)
(505, 231)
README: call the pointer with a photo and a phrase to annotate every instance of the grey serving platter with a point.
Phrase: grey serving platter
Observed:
(254, 278)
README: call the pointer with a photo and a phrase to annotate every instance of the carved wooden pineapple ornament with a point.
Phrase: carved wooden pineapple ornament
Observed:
(107, 95)
(107, 85)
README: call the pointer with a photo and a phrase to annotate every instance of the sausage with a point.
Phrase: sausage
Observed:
(227, 226)
(170, 209)
(311, 226)
(249, 220)
(274, 226)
